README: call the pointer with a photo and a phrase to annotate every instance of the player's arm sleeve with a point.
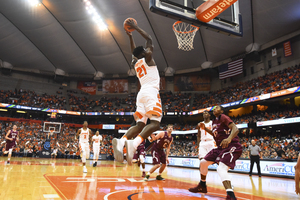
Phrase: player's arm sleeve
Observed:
(226, 120)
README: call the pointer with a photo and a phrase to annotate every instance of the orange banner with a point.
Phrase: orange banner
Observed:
(287, 49)
(115, 86)
(191, 83)
(87, 86)
(212, 8)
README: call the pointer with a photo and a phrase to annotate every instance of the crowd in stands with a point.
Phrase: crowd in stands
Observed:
(268, 83)
(274, 147)
(177, 102)
(171, 102)
(103, 104)
(283, 112)
(30, 98)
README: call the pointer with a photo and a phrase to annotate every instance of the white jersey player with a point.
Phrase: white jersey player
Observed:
(96, 147)
(205, 140)
(84, 146)
(148, 101)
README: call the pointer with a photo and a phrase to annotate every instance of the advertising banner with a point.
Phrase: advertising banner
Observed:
(46, 150)
(191, 83)
(276, 167)
(115, 86)
(87, 86)
(278, 121)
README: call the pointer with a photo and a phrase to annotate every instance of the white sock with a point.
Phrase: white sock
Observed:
(137, 141)
(8, 159)
(148, 173)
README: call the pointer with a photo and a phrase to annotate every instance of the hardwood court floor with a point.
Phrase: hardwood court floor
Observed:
(36, 178)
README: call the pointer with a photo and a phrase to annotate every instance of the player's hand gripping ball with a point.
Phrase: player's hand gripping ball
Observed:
(129, 24)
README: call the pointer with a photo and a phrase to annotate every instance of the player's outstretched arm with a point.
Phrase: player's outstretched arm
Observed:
(143, 33)
(168, 151)
(6, 136)
(158, 136)
(198, 134)
(132, 43)
(77, 134)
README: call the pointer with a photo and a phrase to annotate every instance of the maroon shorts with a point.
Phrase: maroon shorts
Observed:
(138, 152)
(158, 156)
(10, 145)
(228, 155)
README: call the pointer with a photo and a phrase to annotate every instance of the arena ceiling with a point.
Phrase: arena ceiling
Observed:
(59, 35)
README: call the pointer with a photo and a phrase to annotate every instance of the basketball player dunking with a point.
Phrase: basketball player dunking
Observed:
(227, 152)
(11, 137)
(162, 140)
(96, 147)
(84, 135)
(205, 140)
(148, 99)
(139, 156)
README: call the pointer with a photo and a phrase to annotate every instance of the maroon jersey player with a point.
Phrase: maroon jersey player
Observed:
(161, 141)
(11, 137)
(227, 152)
(139, 156)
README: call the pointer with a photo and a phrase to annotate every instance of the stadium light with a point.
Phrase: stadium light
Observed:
(95, 15)
(19, 111)
(35, 3)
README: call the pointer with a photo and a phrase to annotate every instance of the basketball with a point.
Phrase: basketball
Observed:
(128, 27)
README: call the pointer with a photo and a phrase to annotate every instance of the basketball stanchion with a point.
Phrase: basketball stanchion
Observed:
(185, 34)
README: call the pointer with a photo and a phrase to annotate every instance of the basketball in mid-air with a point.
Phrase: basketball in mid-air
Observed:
(127, 27)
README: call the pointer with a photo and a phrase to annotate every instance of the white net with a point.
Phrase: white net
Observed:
(185, 34)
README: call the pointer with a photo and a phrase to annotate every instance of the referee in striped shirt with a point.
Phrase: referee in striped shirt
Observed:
(254, 157)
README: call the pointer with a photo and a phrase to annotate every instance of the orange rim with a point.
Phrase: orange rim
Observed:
(178, 22)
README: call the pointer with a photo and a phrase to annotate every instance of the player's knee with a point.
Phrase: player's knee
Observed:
(155, 124)
(157, 165)
(140, 126)
(203, 162)
(222, 170)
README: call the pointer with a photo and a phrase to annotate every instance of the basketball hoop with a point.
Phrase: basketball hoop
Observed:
(185, 34)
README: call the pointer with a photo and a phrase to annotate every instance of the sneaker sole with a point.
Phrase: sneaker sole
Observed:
(117, 154)
(197, 192)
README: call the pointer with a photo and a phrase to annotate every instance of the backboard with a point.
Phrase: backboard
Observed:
(52, 126)
(228, 22)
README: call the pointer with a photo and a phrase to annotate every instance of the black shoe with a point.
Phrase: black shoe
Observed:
(159, 178)
(146, 177)
(198, 188)
(259, 175)
(95, 164)
(230, 198)
(250, 174)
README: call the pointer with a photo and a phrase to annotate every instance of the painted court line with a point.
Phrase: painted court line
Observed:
(51, 196)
